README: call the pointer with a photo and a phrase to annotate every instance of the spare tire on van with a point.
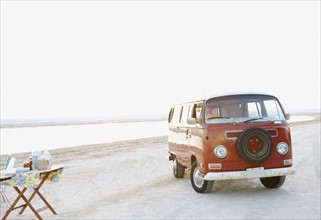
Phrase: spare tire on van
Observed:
(255, 145)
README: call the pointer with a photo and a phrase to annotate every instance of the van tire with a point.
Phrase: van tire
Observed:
(200, 185)
(178, 169)
(263, 145)
(273, 182)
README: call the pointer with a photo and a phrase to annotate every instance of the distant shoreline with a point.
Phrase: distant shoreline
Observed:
(72, 132)
(76, 121)
(25, 123)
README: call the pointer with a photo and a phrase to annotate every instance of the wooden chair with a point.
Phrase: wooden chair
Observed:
(9, 166)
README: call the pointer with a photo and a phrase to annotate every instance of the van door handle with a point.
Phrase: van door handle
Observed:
(188, 135)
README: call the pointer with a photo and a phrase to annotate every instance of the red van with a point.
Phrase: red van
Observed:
(233, 136)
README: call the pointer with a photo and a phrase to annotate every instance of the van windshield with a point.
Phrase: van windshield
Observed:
(243, 108)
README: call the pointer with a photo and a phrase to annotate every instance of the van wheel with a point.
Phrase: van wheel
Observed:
(199, 184)
(178, 169)
(273, 182)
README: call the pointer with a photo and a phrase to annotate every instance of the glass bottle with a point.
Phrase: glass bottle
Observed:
(30, 163)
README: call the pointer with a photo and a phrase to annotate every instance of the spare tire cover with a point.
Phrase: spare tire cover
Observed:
(255, 145)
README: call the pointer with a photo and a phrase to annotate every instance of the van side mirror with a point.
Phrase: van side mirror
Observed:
(191, 121)
(287, 116)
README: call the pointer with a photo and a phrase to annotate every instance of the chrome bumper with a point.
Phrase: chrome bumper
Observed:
(249, 173)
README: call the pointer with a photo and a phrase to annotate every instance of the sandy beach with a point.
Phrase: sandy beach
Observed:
(133, 180)
(86, 176)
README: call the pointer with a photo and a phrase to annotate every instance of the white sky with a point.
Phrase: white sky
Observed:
(82, 58)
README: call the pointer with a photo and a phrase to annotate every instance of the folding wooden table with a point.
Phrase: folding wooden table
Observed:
(34, 179)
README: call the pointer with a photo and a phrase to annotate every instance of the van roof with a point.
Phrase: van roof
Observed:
(238, 93)
(226, 94)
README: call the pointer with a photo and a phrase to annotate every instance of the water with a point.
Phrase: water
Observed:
(26, 139)
(15, 140)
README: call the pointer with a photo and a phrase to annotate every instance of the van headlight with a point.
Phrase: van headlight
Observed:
(220, 151)
(282, 148)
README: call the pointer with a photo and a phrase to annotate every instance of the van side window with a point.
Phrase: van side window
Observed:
(193, 115)
(176, 114)
(196, 112)
(170, 115)
(184, 116)
(180, 116)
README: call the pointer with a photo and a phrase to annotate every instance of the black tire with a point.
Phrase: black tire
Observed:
(178, 169)
(255, 145)
(273, 182)
(200, 185)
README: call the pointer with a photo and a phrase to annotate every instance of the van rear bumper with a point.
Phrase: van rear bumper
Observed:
(249, 173)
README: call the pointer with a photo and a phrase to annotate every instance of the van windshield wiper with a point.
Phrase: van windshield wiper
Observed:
(252, 119)
(211, 118)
